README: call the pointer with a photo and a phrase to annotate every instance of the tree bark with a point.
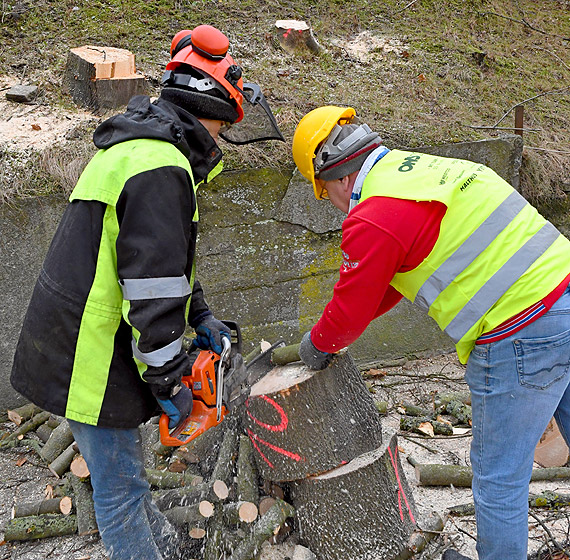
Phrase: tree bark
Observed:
(429, 474)
(60, 465)
(296, 37)
(13, 440)
(83, 494)
(101, 77)
(61, 438)
(23, 413)
(247, 476)
(264, 528)
(364, 509)
(25, 509)
(174, 497)
(167, 479)
(304, 422)
(39, 527)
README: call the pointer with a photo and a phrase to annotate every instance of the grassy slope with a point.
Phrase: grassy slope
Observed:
(457, 64)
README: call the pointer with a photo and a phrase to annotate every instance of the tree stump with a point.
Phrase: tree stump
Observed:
(102, 77)
(551, 450)
(295, 36)
(304, 422)
(362, 510)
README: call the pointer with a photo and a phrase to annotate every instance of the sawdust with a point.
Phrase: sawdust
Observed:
(35, 125)
(414, 382)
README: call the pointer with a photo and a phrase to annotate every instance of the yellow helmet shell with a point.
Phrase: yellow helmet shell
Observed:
(312, 129)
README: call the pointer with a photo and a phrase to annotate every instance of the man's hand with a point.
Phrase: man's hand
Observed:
(209, 332)
(312, 357)
(179, 406)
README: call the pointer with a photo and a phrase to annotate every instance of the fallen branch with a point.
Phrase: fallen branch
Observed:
(61, 438)
(39, 527)
(13, 440)
(41, 507)
(83, 494)
(264, 528)
(23, 413)
(429, 474)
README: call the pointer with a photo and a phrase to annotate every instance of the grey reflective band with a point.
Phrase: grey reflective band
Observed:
(158, 357)
(501, 281)
(155, 288)
(471, 248)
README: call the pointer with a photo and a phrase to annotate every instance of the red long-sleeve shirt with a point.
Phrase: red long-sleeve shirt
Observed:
(380, 237)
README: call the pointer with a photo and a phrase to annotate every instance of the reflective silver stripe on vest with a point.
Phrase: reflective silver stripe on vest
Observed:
(158, 357)
(471, 248)
(155, 288)
(501, 281)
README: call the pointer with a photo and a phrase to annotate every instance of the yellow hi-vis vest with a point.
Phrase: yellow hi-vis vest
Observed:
(495, 254)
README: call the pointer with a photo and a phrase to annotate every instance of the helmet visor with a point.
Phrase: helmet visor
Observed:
(258, 123)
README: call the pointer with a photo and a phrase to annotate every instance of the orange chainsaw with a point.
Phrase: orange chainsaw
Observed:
(219, 383)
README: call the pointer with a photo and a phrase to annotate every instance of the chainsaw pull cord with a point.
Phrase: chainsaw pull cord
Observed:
(226, 347)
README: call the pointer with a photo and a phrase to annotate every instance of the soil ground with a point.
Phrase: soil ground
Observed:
(415, 382)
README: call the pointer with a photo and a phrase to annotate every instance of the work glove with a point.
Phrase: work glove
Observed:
(312, 357)
(209, 332)
(178, 406)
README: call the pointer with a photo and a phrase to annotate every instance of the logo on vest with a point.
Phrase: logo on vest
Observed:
(408, 163)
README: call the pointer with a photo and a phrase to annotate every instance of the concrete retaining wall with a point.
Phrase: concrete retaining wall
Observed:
(268, 258)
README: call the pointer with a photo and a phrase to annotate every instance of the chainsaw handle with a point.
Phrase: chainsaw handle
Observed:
(235, 336)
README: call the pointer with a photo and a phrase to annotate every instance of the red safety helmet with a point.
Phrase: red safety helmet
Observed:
(205, 48)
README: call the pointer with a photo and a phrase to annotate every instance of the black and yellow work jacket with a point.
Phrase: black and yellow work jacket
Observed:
(116, 290)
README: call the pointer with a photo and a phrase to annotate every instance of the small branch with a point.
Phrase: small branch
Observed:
(552, 92)
(547, 531)
(404, 8)
(524, 22)
(503, 128)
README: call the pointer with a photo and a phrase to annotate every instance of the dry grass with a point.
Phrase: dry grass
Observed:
(421, 73)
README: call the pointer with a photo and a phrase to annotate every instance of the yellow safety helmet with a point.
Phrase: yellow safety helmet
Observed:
(312, 129)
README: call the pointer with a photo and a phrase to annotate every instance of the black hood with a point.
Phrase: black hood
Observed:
(166, 121)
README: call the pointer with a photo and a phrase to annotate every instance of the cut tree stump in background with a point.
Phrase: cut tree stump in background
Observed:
(304, 422)
(102, 77)
(296, 37)
(361, 510)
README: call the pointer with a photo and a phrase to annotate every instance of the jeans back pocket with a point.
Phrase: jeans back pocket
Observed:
(542, 361)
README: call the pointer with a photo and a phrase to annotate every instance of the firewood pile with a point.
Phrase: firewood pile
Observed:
(293, 460)
(209, 489)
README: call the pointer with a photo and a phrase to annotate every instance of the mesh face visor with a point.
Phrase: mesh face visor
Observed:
(258, 123)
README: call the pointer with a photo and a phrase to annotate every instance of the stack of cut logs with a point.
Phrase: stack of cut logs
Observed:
(68, 504)
(304, 453)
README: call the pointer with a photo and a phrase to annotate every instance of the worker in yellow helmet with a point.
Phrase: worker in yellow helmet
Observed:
(456, 239)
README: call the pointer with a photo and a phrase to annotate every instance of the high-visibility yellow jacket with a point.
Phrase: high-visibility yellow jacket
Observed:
(495, 255)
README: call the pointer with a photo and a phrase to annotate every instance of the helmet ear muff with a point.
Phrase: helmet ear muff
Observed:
(181, 44)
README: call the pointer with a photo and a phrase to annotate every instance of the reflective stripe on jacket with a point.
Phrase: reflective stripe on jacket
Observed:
(109, 300)
(495, 255)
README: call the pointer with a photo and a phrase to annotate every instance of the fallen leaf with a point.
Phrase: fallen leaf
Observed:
(21, 460)
(421, 78)
(426, 428)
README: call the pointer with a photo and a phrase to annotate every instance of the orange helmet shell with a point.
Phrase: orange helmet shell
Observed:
(207, 50)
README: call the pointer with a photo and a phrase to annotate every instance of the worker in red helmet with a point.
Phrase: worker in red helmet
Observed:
(458, 241)
(101, 343)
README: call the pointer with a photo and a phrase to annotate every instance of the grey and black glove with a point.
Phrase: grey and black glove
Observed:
(313, 357)
(178, 406)
(209, 332)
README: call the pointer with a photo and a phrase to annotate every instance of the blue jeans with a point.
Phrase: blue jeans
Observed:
(131, 526)
(517, 385)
